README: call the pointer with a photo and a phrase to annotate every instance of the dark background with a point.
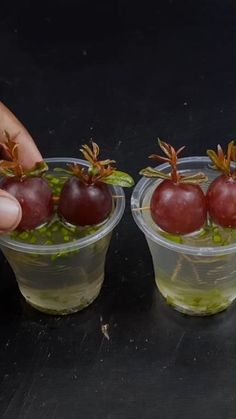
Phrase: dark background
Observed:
(123, 73)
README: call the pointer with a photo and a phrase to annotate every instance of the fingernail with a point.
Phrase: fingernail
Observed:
(10, 213)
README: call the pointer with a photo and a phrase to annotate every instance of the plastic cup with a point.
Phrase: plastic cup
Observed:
(63, 278)
(196, 280)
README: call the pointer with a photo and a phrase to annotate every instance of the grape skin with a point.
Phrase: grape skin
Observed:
(221, 201)
(81, 204)
(35, 197)
(178, 208)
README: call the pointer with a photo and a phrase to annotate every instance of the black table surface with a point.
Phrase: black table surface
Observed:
(123, 74)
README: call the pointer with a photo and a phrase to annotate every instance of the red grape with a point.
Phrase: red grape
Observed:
(84, 204)
(178, 208)
(35, 198)
(221, 201)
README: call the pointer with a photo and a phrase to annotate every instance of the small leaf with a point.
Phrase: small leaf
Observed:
(180, 150)
(151, 172)
(214, 158)
(220, 161)
(233, 153)
(87, 153)
(220, 153)
(160, 158)
(96, 150)
(229, 150)
(10, 147)
(118, 178)
(166, 148)
(106, 162)
(197, 178)
(38, 169)
(5, 164)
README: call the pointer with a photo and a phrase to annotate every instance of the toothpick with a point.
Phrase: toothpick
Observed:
(141, 209)
(117, 196)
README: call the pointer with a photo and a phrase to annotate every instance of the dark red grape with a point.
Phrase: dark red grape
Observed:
(81, 204)
(221, 201)
(35, 198)
(178, 208)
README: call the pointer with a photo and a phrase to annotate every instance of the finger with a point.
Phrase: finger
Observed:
(28, 152)
(10, 212)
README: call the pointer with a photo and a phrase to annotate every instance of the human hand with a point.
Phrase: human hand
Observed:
(10, 209)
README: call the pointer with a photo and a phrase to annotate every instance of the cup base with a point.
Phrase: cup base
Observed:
(201, 311)
(190, 312)
(63, 311)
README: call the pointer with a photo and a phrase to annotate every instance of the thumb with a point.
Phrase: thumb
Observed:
(10, 212)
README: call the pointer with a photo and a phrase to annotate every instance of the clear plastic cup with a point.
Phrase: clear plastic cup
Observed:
(194, 279)
(63, 278)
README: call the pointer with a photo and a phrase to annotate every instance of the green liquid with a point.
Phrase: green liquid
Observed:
(54, 232)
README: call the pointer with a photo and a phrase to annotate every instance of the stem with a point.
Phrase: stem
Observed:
(174, 173)
(177, 269)
(193, 267)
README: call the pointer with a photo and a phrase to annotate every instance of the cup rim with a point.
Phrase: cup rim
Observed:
(139, 191)
(107, 227)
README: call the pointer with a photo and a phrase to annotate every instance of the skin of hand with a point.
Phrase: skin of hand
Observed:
(10, 209)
